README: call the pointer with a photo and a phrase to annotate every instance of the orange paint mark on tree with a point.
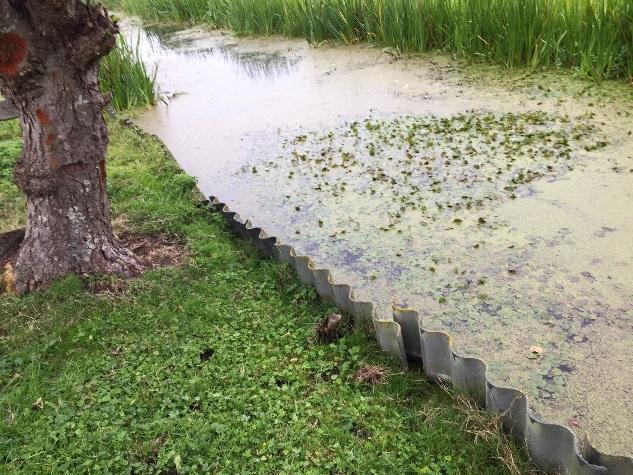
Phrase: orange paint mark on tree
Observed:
(102, 174)
(42, 116)
(13, 51)
(53, 162)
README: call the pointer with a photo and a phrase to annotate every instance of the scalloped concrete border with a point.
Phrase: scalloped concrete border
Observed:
(554, 448)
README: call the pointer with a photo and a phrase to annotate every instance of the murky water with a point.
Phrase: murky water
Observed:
(499, 205)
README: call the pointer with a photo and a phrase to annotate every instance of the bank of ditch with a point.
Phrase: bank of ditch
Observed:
(209, 365)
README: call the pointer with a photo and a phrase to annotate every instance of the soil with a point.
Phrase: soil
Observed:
(152, 250)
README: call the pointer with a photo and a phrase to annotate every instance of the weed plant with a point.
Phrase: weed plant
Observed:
(594, 37)
(124, 74)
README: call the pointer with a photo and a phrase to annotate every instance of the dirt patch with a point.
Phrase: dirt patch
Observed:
(9, 246)
(329, 329)
(152, 250)
(9, 256)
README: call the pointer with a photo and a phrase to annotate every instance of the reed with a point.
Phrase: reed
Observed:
(594, 37)
(124, 74)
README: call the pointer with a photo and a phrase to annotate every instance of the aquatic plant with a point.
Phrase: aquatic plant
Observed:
(435, 170)
(595, 37)
(124, 74)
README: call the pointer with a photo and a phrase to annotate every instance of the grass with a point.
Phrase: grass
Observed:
(594, 37)
(124, 74)
(12, 209)
(115, 383)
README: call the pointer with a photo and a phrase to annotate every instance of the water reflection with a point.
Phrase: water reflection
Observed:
(157, 44)
(255, 65)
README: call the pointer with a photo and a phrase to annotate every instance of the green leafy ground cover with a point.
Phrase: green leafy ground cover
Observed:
(210, 366)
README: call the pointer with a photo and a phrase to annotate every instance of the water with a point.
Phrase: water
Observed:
(498, 204)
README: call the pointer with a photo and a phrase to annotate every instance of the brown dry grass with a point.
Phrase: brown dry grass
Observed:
(371, 374)
(484, 426)
(152, 250)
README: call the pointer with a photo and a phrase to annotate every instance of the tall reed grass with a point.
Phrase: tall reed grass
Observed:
(124, 74)
(594, 37)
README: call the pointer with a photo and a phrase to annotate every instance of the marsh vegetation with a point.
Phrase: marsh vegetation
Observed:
(594, 37)
(124, 74)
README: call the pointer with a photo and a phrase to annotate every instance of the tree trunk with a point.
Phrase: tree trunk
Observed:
(49, 68)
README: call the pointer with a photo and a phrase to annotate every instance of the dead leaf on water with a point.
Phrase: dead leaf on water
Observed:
(535, 352)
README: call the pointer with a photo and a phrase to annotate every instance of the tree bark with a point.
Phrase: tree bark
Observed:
(49, 57)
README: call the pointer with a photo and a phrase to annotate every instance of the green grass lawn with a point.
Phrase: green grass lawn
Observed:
(115, 383)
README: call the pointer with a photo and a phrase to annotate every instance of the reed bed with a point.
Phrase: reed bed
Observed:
(594, 37)
(124, 74)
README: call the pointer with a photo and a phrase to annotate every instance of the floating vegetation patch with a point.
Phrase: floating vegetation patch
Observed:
(434, 171)
(411, 193)
(411, 205)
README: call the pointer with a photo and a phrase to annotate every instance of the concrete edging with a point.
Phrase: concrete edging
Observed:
(553, 447)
